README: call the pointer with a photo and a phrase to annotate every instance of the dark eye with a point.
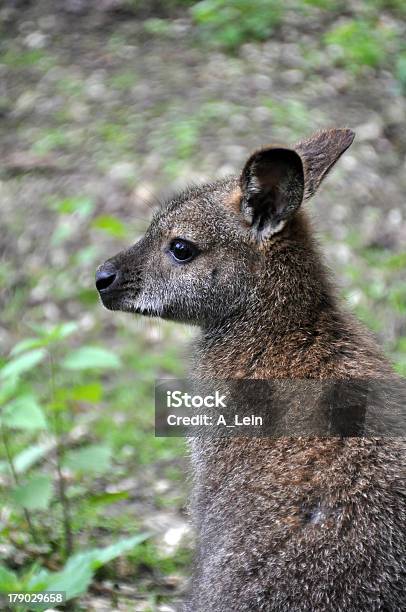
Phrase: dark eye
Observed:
(182, 251)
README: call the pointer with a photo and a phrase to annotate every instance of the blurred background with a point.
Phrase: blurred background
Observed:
(106, 108)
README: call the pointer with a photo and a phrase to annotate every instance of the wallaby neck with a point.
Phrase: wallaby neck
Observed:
(291, 326)
(238, 351)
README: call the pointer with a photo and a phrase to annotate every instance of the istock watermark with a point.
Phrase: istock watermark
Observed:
(275, 408)
(184, 408)
(177, 399)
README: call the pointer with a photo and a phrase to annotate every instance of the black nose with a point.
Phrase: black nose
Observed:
(105, 276)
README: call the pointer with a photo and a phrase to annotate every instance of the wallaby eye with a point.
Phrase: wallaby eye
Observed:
(182, 251)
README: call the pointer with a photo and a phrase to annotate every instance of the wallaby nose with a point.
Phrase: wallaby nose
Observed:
(106, 274)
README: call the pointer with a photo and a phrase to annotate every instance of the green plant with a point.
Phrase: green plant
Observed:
(231, 23)
(73, 579)
(43, 464)
(360, 43)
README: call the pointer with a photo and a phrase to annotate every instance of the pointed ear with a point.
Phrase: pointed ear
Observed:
(272, 185)
(319, 154)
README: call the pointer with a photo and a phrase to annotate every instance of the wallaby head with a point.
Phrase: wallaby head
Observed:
(210, 252)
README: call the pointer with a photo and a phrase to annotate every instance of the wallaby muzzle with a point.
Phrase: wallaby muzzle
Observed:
(119, 278)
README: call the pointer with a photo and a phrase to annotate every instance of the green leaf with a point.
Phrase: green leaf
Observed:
(91, 357)
(82, 205)
(23, 363)
(74, 579)
(35, 494)
(104, 499)
(26, 345)
(30, 456)
(62, 331)
(7, 389)
(24, 413)
(110, 225)
(78, 572)
(93, 458)
(101, 556)
(58, 332)
(9, 581)
(87, 393)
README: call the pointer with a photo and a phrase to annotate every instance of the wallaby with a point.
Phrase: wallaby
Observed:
(290, 523)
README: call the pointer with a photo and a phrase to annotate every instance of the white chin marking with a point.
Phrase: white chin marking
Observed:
(146, 306)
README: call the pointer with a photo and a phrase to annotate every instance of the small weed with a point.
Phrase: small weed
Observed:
(231, 23)
(359, 43)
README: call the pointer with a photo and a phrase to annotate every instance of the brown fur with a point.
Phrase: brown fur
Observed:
(295, 523)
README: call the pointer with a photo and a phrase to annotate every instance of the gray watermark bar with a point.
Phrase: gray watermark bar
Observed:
(280, 408)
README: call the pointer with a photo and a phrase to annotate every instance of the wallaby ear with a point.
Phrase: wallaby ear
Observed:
(319, 154)
(272, 185)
